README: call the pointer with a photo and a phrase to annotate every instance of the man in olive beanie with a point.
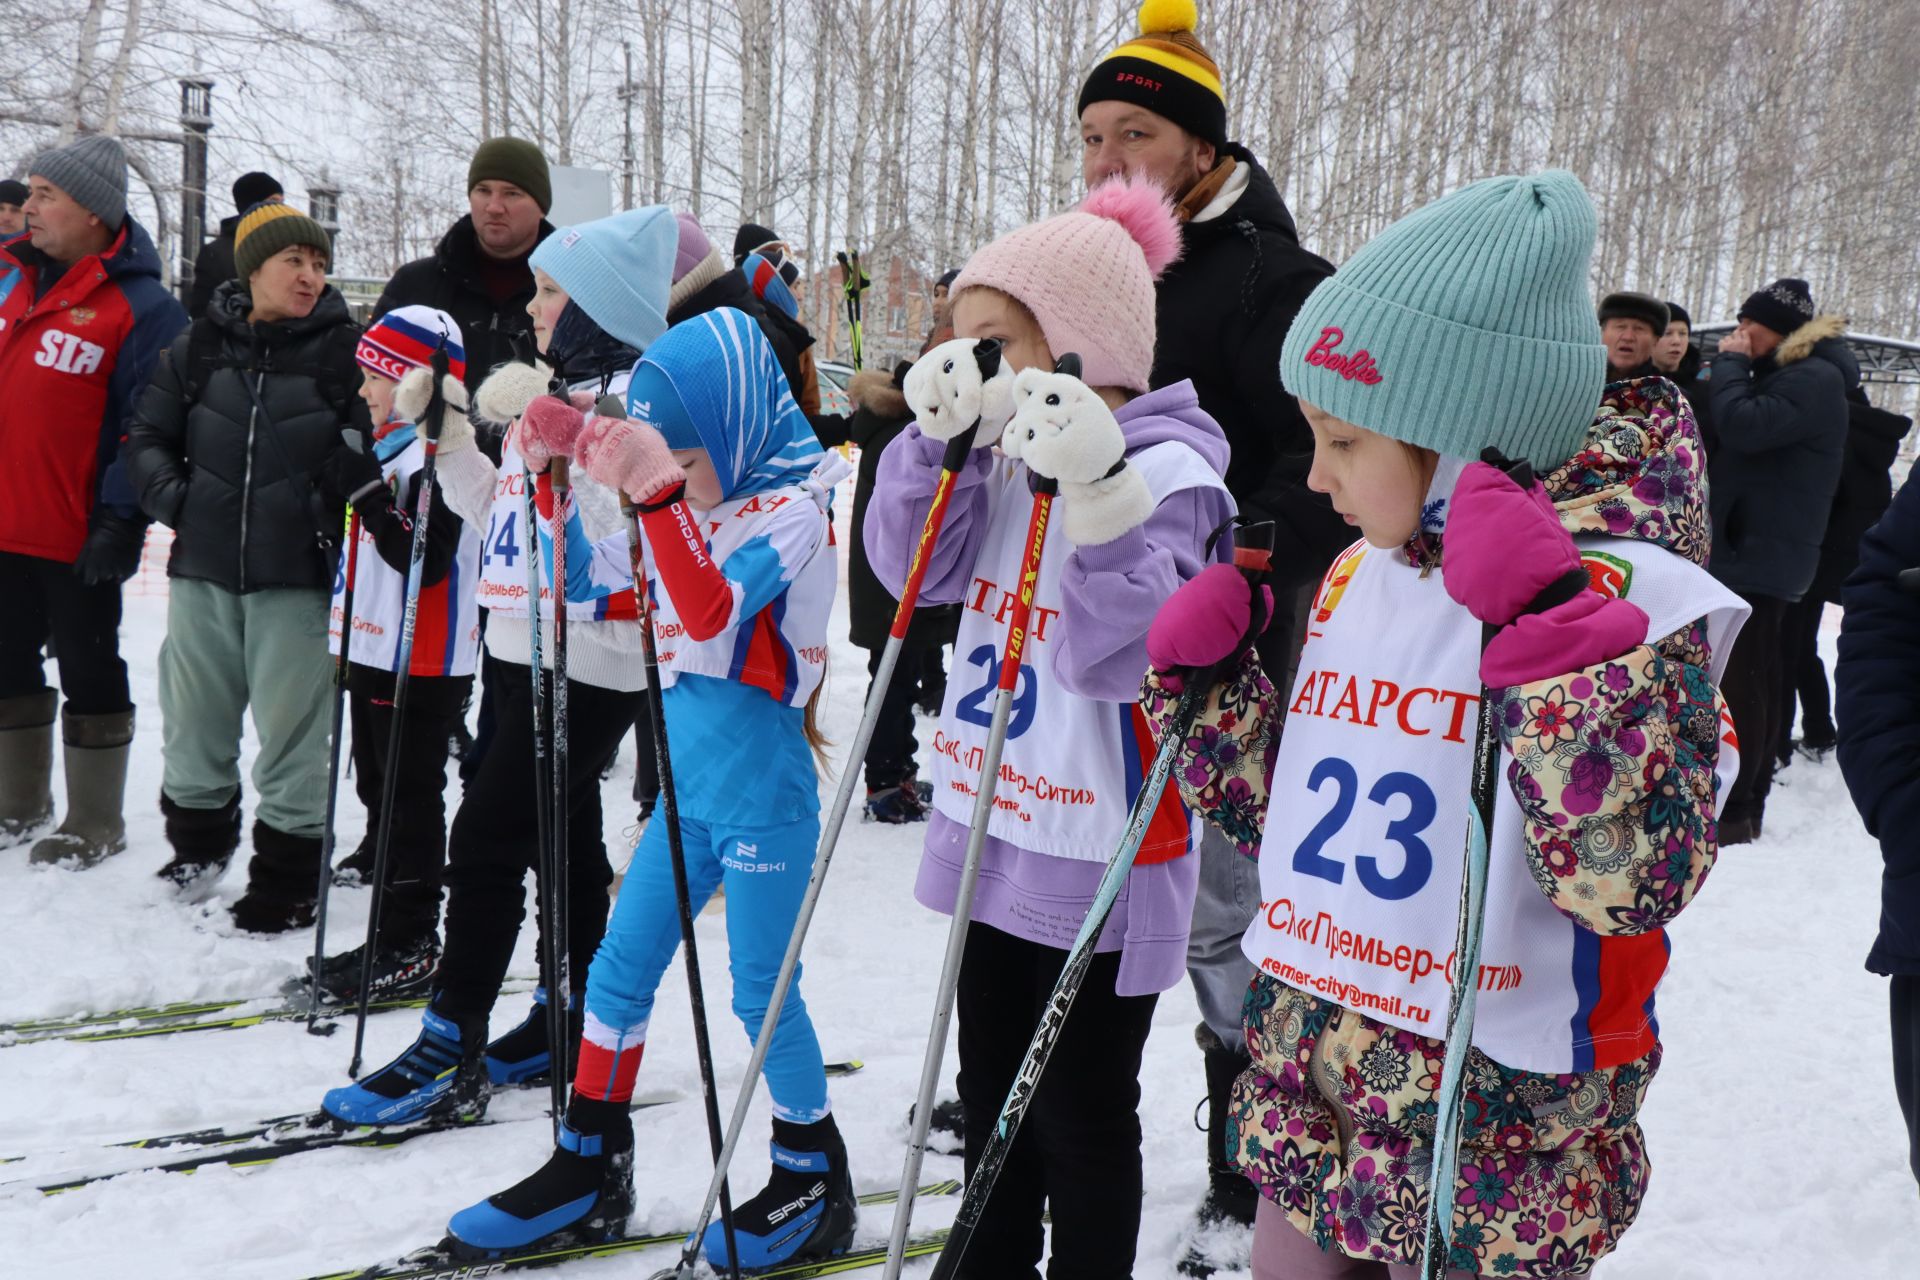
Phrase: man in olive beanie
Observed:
(515, 161)
(478, 274)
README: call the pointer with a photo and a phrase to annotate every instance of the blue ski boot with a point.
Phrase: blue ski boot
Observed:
(440, 1076)
(807, 1211)
(583, 1194)
(520, 1057)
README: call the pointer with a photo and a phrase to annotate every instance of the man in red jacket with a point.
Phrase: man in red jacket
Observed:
(83, 317)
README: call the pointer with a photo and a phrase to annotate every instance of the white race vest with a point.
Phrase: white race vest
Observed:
(783, 647)
(446, 631)
(1071, 766)
(505, 543)
(1361, 863)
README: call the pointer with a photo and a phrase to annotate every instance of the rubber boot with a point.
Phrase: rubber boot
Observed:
(282, 881)
(96, 758)
(807, 1211)
(203, 842)
(26, 765)
(441, 1075)
(583, 1194)
(1222, 1236)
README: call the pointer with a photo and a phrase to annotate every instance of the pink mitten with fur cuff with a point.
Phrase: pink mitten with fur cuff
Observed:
(629, 456)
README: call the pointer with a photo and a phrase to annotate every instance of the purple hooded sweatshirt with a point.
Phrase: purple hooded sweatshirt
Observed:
(1111, 593)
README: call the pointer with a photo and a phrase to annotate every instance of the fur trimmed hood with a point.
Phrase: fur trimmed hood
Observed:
(1799, 344)
(874, 390)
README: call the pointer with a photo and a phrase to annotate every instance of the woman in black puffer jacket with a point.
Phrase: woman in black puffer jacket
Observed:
(237, 445)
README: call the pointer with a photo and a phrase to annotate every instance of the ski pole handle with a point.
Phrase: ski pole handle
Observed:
(1045, 488)
(436, 411)
(986, 354)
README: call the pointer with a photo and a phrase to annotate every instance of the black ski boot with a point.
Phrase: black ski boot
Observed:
(281, 882)
(583, 1194)
(402, 969)
(807, 1211)
(203, 842)
(440, 1074)
(1222, 1237)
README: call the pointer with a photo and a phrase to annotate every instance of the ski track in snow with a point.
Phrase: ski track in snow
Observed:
(1777, 1147)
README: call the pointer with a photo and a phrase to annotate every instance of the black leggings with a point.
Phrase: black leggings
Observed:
(417, 849)
(1078, 1151)
(1904, 997)
(494, 839)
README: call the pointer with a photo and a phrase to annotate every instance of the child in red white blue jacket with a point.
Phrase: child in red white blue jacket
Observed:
(446, 645)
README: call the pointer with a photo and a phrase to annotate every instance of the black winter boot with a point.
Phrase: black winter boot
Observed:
(203, 842)
(1222, 1234)
(282, 881)
(807, 1210)
(582, 1194)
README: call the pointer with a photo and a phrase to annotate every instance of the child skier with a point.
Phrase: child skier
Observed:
(1464, 326)
(620, 267)
(1140, 496)
(733, 490)
(445, 646)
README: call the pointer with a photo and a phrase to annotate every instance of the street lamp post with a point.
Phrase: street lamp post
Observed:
(196, 122)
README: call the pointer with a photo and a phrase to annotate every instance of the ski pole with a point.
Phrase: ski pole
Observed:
(316, 1027)
(389, 787)
(1043, 492)
(1253, 554)
(669, 808)
(987, 354)
(1450, 1113)
(554, 896)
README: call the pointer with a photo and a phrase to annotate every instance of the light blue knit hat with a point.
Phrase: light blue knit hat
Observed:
(1465, 324)
(619, 270)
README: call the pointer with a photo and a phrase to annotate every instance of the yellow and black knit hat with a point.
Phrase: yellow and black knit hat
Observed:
(269, 227)
(1165, 70)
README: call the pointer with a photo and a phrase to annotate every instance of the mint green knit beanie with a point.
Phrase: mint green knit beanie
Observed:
(1465, 324)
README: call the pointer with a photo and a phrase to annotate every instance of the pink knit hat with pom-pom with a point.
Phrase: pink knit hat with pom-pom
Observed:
(1087, 276)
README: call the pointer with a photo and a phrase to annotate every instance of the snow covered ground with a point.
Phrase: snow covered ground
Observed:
(1776, 1143)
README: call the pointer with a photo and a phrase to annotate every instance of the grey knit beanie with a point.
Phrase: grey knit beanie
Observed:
(93, 170)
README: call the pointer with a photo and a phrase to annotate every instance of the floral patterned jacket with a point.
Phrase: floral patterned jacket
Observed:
(1334, 1120)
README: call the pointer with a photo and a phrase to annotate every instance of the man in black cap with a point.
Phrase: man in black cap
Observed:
(478, 273)
(1630, 328)
(214, 265)
(1778, 392)
(13, 208)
